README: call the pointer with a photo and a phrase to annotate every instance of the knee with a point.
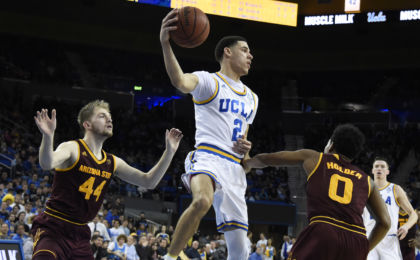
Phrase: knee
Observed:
(201, 204)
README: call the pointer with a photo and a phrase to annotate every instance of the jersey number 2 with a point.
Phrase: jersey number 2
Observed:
(348, 189)
(237, 129)
(87, 188)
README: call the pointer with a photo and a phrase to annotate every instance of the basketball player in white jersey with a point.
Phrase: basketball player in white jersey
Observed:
(224, 107)
(394, 197)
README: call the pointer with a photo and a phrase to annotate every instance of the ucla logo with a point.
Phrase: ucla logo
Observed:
(234, 106)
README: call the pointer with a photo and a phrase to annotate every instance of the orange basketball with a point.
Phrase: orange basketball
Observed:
(193, 27)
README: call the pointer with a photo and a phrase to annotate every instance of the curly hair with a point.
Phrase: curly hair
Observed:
(348, 140)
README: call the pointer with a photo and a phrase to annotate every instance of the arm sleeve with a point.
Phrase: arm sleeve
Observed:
(205, 87)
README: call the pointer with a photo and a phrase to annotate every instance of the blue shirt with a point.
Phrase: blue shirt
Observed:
(255, 256)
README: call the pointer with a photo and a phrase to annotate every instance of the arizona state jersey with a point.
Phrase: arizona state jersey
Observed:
(337, 193)
(223, 110)
(78, 191)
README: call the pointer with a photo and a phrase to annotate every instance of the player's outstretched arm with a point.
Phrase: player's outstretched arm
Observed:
(378, 210)
(150, 179)
(408, 208)
(307, 157)
(48, 158)
(184, 82)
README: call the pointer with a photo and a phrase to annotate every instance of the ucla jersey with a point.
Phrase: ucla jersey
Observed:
(223, 110)
(389, 196)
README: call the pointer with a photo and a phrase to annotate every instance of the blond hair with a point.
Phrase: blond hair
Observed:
(87, 111)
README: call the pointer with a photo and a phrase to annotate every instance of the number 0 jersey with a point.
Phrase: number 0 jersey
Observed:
(223, 110)
(337, 193)
(78, 191)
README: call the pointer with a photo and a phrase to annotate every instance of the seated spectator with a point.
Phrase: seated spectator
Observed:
(95, 225)
(21, 220)
(116, 230)
(192, 252)
(257, 255)
(9, 199)
(20, 234)
(28, 248)
(162, 233)
(99, 253)
(5, 232)
(163, 250)
(4, 213)
(143, 249)
(141, 230)
(125, 227)
(130, 250)
(116, 249)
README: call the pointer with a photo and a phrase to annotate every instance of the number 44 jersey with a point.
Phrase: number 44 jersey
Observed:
(78, 191)
(337, 193)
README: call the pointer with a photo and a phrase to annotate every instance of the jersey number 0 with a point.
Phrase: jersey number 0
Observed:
(333, 189)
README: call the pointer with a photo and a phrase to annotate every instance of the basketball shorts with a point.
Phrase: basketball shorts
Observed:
(230, 184)
(322, 241)
(55, 238)
(387, 249)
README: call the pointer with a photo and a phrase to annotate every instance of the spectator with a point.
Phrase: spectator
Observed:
(125, 228)
(116, 249)
(21, 220)
(28, 211)
(9, 199)
(192, 252)
(270, 251)
(5, 232)
(262, 241)
(95, 225)
(143, 249)
(116, 230)
(130, 250)
(286, 247)
(20, 234)
(4, 213)
(142, 220)
(28, 248)
(257, 255)
(162, 249)
(99, 253)
(162, 233)
(142, 230)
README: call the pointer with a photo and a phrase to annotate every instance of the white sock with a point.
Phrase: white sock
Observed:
(168, 257)
(236, 244)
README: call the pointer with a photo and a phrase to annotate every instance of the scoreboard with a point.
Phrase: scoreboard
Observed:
(268, 11)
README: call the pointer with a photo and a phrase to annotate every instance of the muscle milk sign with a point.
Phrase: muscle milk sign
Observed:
(329, 19)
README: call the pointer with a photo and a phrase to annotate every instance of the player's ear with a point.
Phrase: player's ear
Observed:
(227, 51)
(86, 124)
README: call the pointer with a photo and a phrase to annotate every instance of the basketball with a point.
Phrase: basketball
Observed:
(193, 27)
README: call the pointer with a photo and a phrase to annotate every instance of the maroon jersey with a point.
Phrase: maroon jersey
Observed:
(408, 253)
(78, 191)
(337, 193)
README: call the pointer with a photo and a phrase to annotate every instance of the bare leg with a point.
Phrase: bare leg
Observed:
(202, 192)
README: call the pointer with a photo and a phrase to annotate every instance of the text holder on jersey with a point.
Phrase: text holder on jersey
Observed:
(232, 105)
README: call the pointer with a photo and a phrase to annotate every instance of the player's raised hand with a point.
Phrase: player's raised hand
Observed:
(242, 146)
(46, 125)
(168, 25)
(402, 232)
(173, 137)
